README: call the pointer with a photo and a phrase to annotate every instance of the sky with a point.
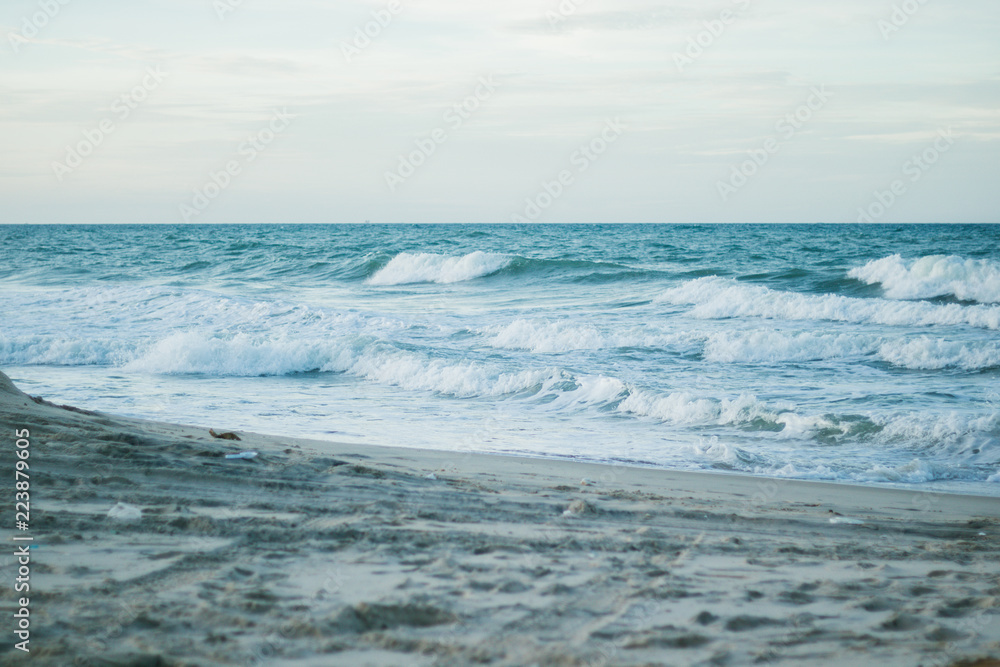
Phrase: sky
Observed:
(422, 111)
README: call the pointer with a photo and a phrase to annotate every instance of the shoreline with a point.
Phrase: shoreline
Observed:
(318, 552)
(738, 478)
(319, 443)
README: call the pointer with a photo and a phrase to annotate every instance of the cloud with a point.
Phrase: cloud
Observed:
(558, 81)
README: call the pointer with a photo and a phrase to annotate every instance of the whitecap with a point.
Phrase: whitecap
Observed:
(406, 268)
(719, 298)
(933, 276)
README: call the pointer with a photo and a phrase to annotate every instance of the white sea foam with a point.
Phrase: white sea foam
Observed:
(61, 351)
(717, 451)
(958, 433)
(796, 426)
(770, 346)
(926, 353)
(243, 355)
(964, 436)
(156, 311)
(547, 337)
(462, 380)
(932, 276)
(594, 391)
(249, 355)
(803, 471)
(717, 298)
(917, 471)
(685, 408)
(958, 436)
(240, 355)
(750, 346)
(423, 267)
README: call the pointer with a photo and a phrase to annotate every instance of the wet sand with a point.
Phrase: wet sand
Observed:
(154, 549)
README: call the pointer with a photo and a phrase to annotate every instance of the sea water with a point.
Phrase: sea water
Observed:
(862, 354)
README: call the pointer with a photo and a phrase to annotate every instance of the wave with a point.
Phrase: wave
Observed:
(247, 355)
(59, 351)
(408, 268)
(683, 408)
(916, 471)
(721, 298)
(919, 353)
(965, 436)
(905, 466)
(933, 276)
(240, 355)
(771, 347)
(754, 346)
(925, 353)
(144, 313)
(950, 427)
(548, 337)
(460, 380)
(244, 355)
(688, 409)
(764, 428)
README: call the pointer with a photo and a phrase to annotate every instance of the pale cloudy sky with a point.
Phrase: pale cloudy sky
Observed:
(671, 121)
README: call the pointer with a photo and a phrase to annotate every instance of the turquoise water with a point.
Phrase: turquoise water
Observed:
(867, 354)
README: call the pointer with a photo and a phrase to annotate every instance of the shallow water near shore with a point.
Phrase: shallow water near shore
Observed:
(863, 354)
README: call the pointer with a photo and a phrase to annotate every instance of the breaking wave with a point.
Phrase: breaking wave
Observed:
(719, 298)
(934, 276)
(752, 346)
(408, 268)
(547, 337)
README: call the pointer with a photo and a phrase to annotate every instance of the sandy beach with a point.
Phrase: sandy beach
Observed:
(154, 549)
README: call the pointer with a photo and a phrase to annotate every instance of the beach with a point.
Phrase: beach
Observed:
(561, 334)
(318, 553)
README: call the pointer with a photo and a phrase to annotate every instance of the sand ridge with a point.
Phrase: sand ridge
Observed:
(318, 553)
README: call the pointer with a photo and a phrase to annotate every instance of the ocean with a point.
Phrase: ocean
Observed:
(867, 354)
